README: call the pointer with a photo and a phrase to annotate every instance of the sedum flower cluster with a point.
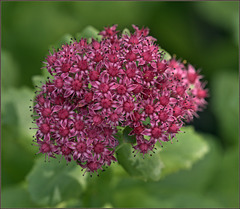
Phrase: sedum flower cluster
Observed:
(122, 80)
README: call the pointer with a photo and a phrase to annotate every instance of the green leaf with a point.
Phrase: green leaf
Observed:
(66, 39)
(172, 158)
(195, 180)
(16, 113)
(183, 189)
(46, 74)
(107, 205)
(126, 137)
(190, 148)
(19, 100)
(99, 189)
(132, 193)
(72, 203)
(192, 200)
(147, 121)
(225, 105)
(134, 196)
(38, 80)
(165, 54)
(16, 197)
(119, 135)
(225, 184)
(89, 85)
(17, 158)
(53, 182)
(224, 15)
(16, 121)
(148, 168)
(203, 170)
(137, 197)
(126, 31)
(89, 32)
(9, 70)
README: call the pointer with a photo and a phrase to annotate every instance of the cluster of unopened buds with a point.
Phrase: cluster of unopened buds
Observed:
(122, 80)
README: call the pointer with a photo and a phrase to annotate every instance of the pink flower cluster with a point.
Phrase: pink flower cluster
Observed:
(123, 80)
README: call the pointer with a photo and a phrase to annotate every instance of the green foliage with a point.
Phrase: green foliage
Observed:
(126, 31)
(225, 185)
(147, 121)
(72, 203)
(37, 80)
(188, 185)
(16, 197)
(190, 148)
(199, 176)
(9, 70)
(52, 182)
(225, 105)
(66, 39)
(172, 158)
(16, 111)
(224, 14)
(17, 158)
(137, 197)
(17, 152)
(148, 168)
(165, 54)
(99, 189)
(126, 137)
(89, 32)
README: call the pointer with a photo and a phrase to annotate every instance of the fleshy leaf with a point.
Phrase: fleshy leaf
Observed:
(169, 159)
(147, 121)
(20, 98)
(9, 70)
(99, 189)
(16, 111)
(14, 169)
(89, 32)
(148, 168)
(225, 105)
(72, 203)
(185, 180)
(52, 182)
(119, 134)
(190, 148)
(66, 39)
(107, 205)
(37, 79)
(126, 31)
(140, 198)
(169, 191)
(225, 15)
(126, 137)
(16, 121)
(16, 197)
(165, 54)
(225, 185)
(134, 196)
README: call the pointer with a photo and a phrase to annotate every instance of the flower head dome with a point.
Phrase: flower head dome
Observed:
(122, 80)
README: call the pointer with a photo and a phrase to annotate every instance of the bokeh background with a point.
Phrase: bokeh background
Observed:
(206, 34)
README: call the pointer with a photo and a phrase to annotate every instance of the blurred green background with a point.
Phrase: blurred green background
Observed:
(206, 34)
